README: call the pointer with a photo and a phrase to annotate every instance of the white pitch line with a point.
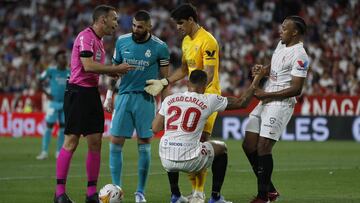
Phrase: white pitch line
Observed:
(308, 169)
(70, 176)
(162, 173)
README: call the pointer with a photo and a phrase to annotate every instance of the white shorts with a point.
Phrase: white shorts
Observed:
(269, 120)
(204, 160)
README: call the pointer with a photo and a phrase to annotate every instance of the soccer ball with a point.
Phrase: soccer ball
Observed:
(111, 193)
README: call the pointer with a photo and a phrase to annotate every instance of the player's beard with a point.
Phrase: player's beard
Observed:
(282, 40)
(139, 37)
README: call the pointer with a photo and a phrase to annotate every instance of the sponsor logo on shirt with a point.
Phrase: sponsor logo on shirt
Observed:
(138, 64)
(178, 144)
(210, 54)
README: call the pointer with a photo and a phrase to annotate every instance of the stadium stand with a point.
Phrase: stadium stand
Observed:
(32, 31)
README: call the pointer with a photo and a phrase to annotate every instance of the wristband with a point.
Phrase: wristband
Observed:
(109, 94)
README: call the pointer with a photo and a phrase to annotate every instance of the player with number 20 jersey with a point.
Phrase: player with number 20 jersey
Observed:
(185, 116)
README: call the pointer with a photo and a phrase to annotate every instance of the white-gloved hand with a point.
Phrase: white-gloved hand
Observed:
(154, 87)
(108, 101)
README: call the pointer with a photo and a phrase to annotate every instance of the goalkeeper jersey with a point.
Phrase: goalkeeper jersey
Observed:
(202, 50)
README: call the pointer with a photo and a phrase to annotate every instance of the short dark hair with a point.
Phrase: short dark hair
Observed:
(102, 10)
(198, 77)
(184, 12)
(299, 23)
(58, 53)
(142, 15)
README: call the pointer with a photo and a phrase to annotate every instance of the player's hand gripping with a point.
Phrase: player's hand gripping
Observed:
(154, 87)
(259, 71)
(255, 70)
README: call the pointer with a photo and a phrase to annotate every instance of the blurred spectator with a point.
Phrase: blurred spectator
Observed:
(32, 31)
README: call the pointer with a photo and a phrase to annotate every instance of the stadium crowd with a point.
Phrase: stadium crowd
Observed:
(247, 32)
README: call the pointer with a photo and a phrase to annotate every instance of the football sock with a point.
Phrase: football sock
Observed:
(62, 169)
(92, 171)
(200, 180)
(219, 166)
(46, 139)
(192, 178)
(60, 139)
(174, 183)
(143, 165)
(265, 169)
(253, 159)
(116, 160)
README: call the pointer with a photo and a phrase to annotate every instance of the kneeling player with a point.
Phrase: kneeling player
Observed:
(183, 116)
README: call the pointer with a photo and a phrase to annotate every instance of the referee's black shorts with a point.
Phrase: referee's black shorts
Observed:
(83, 110)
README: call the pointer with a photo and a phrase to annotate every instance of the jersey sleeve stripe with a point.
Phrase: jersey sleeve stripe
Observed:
(164, 62)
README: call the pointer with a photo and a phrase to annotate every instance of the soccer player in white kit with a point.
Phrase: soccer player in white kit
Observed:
(183, 117)
(287, 73)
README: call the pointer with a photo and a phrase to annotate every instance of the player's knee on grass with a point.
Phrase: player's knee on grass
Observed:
(250, 142)
(219, 147)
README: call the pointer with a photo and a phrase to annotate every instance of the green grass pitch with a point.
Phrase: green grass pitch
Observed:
(303, 172)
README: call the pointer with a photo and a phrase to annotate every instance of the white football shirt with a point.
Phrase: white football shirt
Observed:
(285, 63)
(185, 115)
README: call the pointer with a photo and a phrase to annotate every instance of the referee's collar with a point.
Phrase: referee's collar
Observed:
(94, 32)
